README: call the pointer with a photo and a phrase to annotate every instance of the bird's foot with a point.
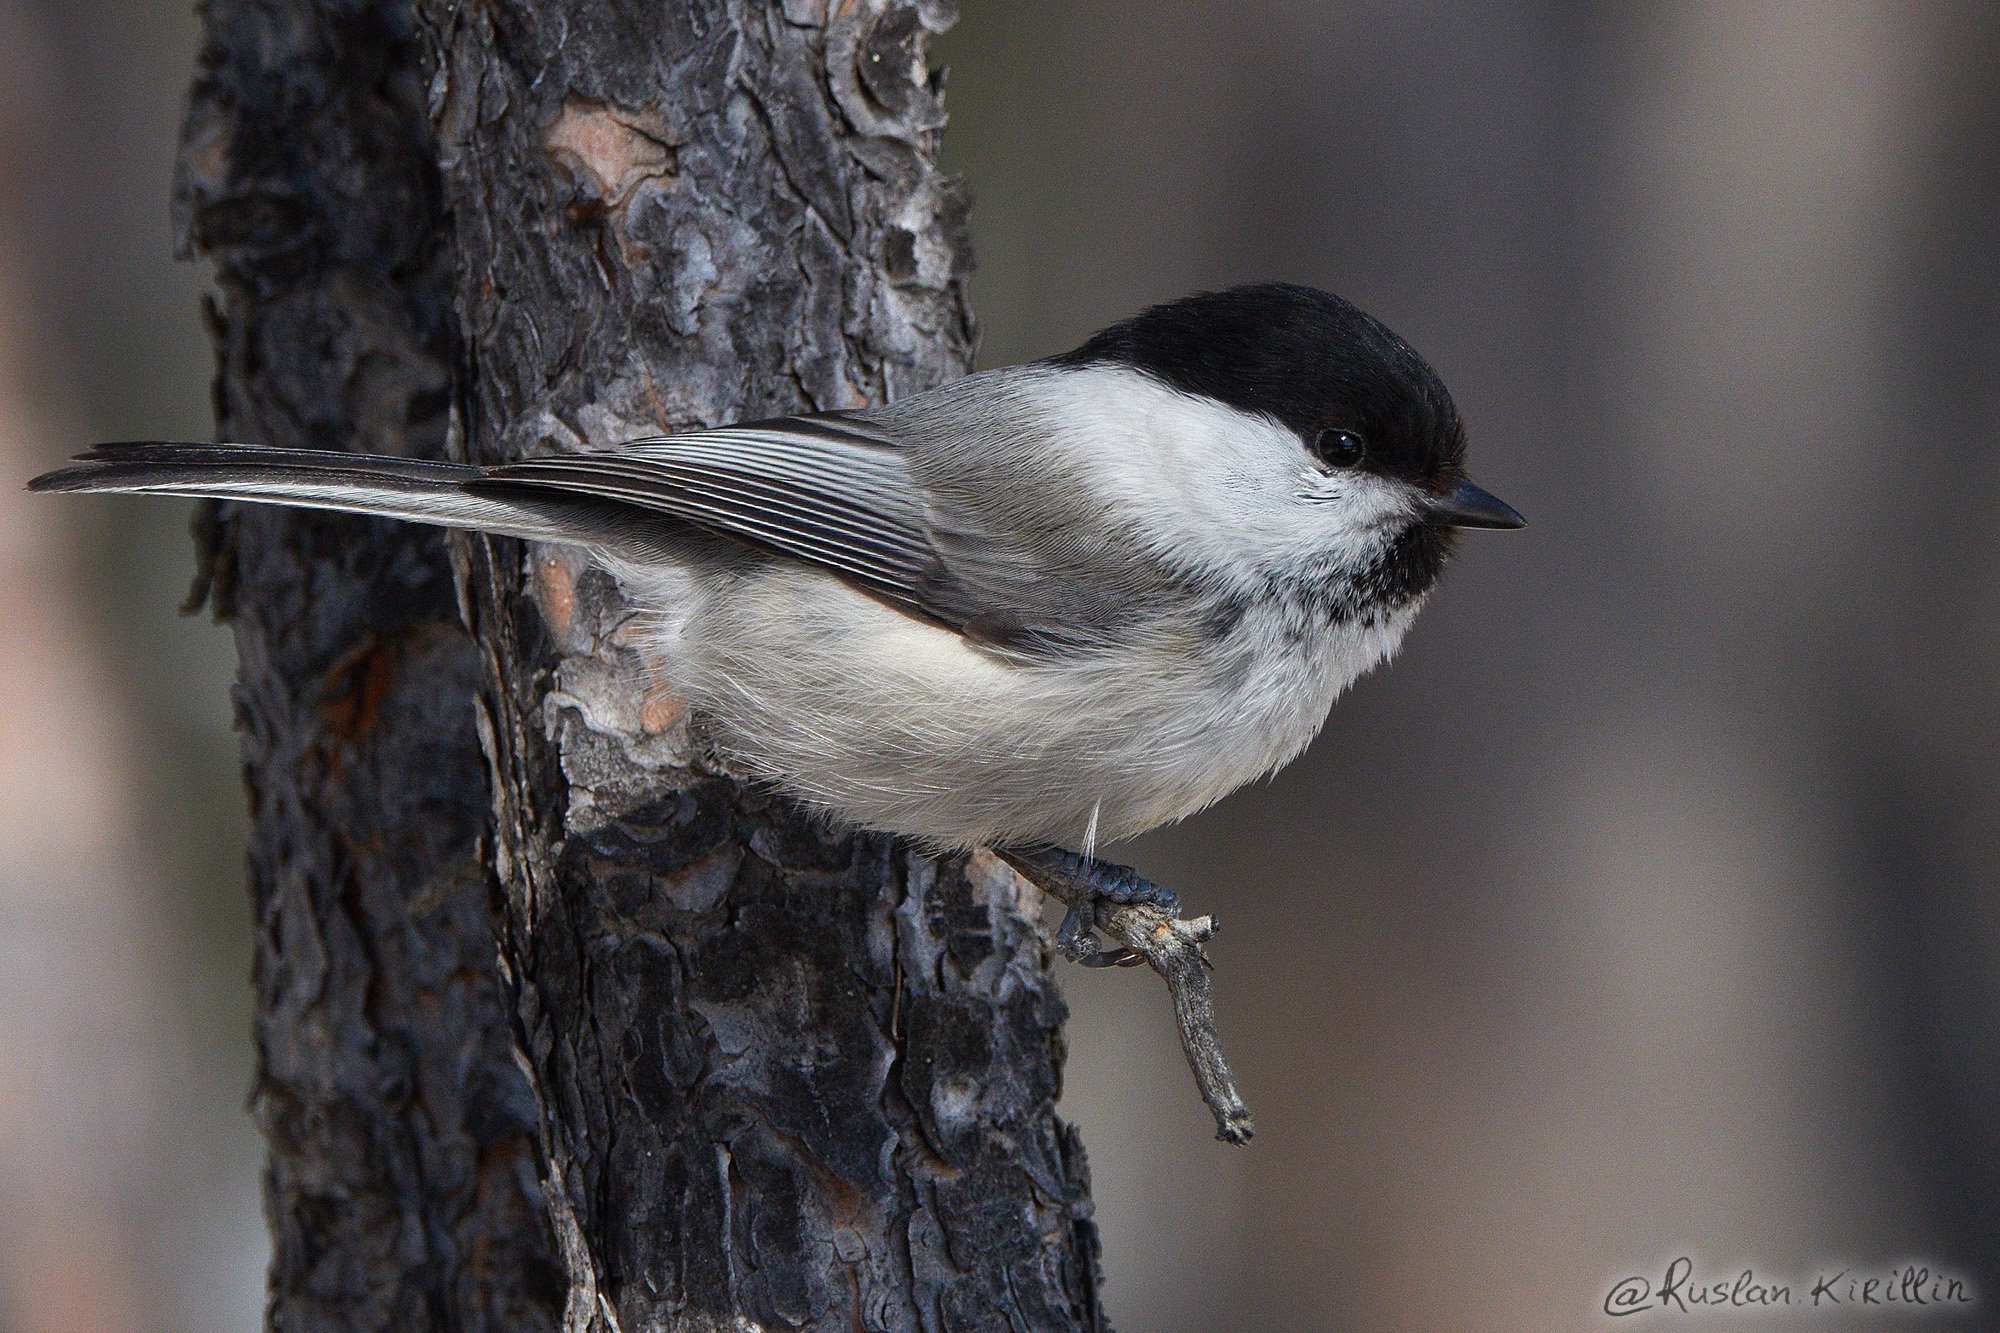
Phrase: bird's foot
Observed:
(1094, 883)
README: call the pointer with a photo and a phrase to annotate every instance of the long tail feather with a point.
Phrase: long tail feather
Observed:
(412, 489)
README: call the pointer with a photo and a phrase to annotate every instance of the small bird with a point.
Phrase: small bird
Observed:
(1040, 607)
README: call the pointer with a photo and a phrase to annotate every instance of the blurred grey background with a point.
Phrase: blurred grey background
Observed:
(1646, 907)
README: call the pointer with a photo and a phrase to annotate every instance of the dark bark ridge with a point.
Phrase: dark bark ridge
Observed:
(401, 1188)
(785, 1074)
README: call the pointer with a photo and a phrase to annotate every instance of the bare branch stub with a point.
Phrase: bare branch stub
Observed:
(1172, 946)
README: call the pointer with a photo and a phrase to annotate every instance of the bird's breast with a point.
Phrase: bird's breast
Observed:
(895, 724)
(1264, 689)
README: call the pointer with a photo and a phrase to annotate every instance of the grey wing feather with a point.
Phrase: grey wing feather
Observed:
(812, 488)
(909, 507)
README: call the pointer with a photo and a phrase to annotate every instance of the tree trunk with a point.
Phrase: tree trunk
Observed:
(731, 1065)
(401, 1189)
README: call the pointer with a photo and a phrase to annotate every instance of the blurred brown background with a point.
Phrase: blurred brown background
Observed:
(1646, 907)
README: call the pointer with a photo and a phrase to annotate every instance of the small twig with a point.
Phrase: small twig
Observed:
(1171, 946)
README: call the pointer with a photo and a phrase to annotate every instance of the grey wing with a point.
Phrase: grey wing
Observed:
(817, 489)
(839, 491)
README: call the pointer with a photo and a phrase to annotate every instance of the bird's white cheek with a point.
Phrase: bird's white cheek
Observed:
(1360, 509)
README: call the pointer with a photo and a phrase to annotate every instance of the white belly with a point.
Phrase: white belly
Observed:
(889, 723)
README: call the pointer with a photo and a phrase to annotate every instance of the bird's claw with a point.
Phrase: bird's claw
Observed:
(1123, 886)
(1077, 938)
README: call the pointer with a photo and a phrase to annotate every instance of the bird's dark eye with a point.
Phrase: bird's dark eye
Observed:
(1340, 448)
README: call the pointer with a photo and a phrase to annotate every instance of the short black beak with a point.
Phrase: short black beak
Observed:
(1467, 506)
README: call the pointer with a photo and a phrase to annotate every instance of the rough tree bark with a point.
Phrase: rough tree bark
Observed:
(401, 1188)
(732, 1065)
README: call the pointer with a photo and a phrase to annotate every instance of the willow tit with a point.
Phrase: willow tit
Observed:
(1041, 606)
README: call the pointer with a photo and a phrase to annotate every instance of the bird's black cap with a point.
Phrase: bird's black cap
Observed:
(1305, 358)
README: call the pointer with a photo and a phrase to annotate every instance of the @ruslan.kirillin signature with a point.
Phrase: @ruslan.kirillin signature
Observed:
(1909, 1287)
